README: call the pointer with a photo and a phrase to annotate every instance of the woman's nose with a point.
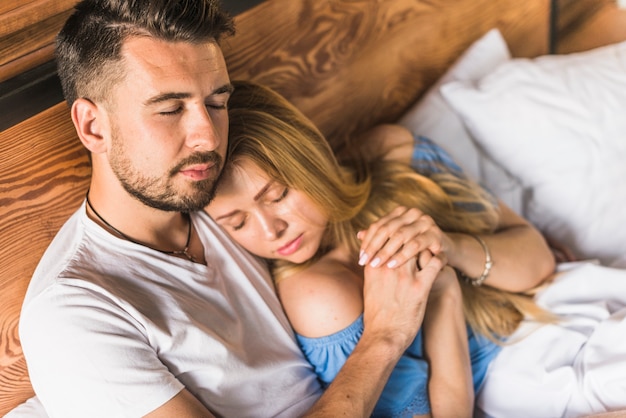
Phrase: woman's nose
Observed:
(273, 227)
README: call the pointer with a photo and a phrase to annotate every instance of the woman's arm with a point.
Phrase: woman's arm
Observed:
(521, 256)
(450, 386)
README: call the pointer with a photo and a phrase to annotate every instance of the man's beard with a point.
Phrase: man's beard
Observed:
(158, 192)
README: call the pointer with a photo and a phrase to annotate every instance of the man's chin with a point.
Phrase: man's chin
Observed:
(197, 196)
(194, 202)
(203, 194)
(190, 202)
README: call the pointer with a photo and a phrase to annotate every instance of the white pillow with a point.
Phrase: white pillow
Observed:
(558, 123)
(433, 118)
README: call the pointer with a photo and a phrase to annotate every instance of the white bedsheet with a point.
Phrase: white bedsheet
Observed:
(570, 369)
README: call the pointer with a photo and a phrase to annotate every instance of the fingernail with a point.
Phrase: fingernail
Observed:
(362, 258)
(375, 262)
(392, 264)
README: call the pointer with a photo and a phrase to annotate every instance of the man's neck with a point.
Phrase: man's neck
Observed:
(128, 218)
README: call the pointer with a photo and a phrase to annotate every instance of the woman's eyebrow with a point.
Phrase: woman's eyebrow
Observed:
(227, 215)
(263, 190)
(255, 198)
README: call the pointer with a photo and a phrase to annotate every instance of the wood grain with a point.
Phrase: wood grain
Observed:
(350, 64)
(44, 172)
(27, 31)
(15, 15)
(588, 24)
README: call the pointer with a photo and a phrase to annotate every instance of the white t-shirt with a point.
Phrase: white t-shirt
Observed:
(110, 328)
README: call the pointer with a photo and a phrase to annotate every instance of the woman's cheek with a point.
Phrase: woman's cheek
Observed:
(252, 243)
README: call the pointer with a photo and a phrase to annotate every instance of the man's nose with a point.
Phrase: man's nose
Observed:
(202, 130)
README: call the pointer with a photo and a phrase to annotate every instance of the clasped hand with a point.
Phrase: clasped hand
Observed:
(402, 234)
(396, 291)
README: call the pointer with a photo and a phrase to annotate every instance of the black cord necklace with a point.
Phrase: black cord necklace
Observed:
(184, 252)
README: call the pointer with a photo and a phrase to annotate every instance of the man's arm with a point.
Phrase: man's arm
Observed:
(183, 405)
(395, 302)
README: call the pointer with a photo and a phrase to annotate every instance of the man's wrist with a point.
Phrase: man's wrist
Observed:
(384, 346)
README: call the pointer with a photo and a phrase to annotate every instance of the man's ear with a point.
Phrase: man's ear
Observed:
(91, 124)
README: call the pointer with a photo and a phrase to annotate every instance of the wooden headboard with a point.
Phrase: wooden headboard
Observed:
(347, 64)
(350, 64)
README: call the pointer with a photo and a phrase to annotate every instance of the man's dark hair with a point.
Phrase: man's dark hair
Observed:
(88, 47)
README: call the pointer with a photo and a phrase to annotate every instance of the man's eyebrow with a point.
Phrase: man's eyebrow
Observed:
(225, 89)
(165, 97)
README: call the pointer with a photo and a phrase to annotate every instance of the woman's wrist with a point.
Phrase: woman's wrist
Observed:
(471, 257)
(478, 281)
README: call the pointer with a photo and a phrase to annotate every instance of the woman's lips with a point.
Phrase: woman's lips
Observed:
(290, 247)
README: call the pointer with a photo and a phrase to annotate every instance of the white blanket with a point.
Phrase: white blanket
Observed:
(570, 369)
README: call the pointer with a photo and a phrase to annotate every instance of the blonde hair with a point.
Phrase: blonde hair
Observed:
(271, 132)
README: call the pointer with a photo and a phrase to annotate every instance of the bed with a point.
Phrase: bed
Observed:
(463, 72)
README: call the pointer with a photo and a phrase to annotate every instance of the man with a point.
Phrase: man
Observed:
(142, 306)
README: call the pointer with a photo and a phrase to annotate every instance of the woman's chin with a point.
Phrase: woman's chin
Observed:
(298, 257)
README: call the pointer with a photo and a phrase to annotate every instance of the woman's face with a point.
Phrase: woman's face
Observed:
(265, 217)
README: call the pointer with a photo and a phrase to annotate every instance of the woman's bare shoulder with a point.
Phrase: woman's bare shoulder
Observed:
(323, 299)
(389, 141)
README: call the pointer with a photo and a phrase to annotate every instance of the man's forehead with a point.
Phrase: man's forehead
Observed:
(152, 52)
(172, 64)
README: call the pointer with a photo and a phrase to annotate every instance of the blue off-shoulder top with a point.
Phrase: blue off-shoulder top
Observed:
(406, 392)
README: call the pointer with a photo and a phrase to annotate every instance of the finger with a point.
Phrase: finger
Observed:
(423, 258)
(431, 269)
(416, 245)
(376, 240)
(388, 235)
(380, 226)
(419, 236)
(392, 247)
(398, 237)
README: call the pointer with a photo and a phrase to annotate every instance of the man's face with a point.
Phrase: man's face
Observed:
(169, 123)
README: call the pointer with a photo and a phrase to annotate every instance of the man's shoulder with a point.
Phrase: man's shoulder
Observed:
(79, 261)
(62, 248)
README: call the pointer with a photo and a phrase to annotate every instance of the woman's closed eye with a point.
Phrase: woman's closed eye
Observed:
(238, 223)
(273, 192)
(282, 195)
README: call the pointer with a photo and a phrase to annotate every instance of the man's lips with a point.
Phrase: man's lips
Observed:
(197, 171)
(291, 247)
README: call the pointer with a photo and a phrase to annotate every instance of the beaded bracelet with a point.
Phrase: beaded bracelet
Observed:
(488, 264)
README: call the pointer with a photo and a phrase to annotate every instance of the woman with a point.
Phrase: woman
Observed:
(284, 197)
